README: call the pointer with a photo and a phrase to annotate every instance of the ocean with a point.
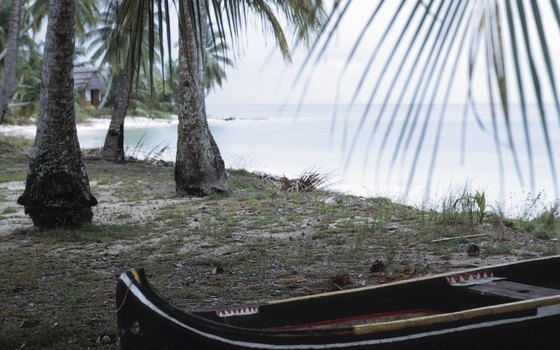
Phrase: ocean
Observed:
(373, 156)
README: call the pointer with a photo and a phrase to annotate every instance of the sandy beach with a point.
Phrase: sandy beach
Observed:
(90, 125)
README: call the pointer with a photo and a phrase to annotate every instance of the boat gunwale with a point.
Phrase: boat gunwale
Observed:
(397, 283)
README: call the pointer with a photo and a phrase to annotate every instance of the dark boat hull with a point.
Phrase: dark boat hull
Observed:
(147, 321)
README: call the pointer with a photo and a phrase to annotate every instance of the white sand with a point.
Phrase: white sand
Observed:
(93, 124)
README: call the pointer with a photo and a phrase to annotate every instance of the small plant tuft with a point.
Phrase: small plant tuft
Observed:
(151, 156)
(480, 200)
(309, 181)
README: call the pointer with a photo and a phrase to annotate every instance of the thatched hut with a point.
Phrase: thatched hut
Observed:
(89, 84)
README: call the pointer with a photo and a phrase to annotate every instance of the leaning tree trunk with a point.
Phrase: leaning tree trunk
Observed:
(113, 148)
(10, 64)
(57, 192)
(199, 168)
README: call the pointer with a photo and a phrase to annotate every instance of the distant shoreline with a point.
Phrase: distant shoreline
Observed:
(102, 123)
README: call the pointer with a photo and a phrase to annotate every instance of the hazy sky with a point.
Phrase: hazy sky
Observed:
(262, 77)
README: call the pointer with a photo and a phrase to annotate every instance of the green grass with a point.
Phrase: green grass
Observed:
(14, 144)
(63, 335)
(13, 151)
(91, 233)
(544, 225)
(9, 210)
(12, 175)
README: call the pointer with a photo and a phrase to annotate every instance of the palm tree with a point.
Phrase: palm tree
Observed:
(25, 100)
(26, 16)
(113, 148)
(215, 60)
(199, 169)
(9, 77)
(87, 15)
(57, 192)
(124, 74)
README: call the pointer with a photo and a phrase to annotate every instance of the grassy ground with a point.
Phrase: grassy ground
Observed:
(256, 243)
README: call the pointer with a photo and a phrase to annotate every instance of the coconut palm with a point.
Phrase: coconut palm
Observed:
(123, 73)
(87, 15)
(26, 16)
(199, 168)
(57, 192)
(9, 77)
(215, 60)
(25, 100)
(113, 148)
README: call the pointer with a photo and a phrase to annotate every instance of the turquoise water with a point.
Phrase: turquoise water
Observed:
(289, 140)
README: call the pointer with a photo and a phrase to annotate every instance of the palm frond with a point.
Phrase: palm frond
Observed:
(507, 41)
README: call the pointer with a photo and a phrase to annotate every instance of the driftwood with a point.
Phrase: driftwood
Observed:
(457, 237)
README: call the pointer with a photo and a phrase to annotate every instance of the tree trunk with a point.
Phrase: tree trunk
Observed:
(113, 148)
(199, 168)
(57, 192)
(10, 65)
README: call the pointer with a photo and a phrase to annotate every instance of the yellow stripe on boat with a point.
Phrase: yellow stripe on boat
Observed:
(136, 275)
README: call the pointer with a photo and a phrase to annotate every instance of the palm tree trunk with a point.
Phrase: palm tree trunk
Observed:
(57, 192)
(113, 148)
(10, 65)
(199, 168)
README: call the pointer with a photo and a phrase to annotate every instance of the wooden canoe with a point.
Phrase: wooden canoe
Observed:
(510, 306)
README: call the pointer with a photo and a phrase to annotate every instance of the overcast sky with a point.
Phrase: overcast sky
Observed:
(262, 77)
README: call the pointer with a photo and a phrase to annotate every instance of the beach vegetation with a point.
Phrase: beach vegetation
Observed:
(14, 146)
(481, 206)
(545, 225)
(459, 206)
(139, 150)
(90, 233)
